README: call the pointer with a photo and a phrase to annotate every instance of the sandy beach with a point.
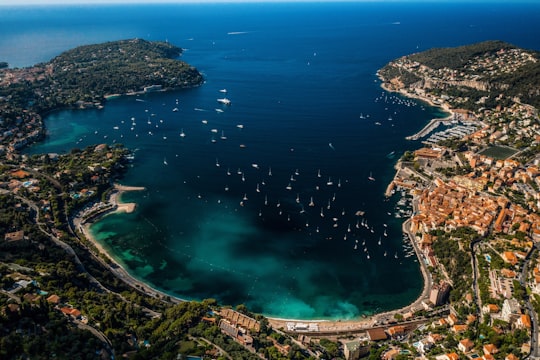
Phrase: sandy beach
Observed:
(115, 199)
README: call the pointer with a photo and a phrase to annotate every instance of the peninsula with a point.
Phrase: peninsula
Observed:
(474, 222)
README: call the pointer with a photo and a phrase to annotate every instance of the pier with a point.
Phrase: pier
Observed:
(432, 125)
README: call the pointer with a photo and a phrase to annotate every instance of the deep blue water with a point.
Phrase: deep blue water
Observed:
(301, 78)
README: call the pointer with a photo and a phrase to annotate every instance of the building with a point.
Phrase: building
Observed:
(465, 345)
(376, 334)
(511, 310)
(355, 349)
(439, 293)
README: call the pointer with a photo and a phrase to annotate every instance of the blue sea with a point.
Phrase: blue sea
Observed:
(257, 202)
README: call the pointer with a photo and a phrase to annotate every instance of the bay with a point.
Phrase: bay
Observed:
(305, 99)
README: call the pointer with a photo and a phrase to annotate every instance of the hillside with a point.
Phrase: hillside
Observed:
(486, 74)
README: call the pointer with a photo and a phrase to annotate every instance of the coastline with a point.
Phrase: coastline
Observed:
(362, 322)
(115, 201)
(359, 323)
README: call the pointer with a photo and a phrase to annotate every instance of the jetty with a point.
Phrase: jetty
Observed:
(432, 125)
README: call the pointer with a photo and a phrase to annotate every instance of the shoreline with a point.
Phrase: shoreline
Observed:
(113, 265)
(433, 123)
(362, 322)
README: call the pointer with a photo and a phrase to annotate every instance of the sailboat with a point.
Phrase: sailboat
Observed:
(329, 182)
(311, 203)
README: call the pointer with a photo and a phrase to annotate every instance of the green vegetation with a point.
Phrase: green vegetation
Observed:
(457, 57)
(471, 75)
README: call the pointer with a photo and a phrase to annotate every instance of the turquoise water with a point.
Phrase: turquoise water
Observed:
(231, 218)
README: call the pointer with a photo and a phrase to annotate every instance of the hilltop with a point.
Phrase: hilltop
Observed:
(484, 74)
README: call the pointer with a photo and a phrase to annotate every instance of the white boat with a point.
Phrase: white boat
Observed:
(223, 137)
(311, 203)
(165, 161)
(223, 90)
(182, 134)
(224, 101)
(175, 109)
(329, 182)
(370, 177)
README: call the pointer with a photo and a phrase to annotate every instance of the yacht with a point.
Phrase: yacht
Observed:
(223, 137)
(182, 133)
(370, 177)
(224, 101)
(329, 182)
(223, 91)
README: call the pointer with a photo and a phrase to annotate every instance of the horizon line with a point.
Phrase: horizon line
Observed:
(19, 3)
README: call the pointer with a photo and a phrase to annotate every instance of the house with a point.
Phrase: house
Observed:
(14, 236)
(490, 349)
(459, 328)
(452, 319)
(511, 357)
(53, 299)
(71, 312)
(490, 309)
(396, 331)
(524, 321)
(390, 354)
(465, 345)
